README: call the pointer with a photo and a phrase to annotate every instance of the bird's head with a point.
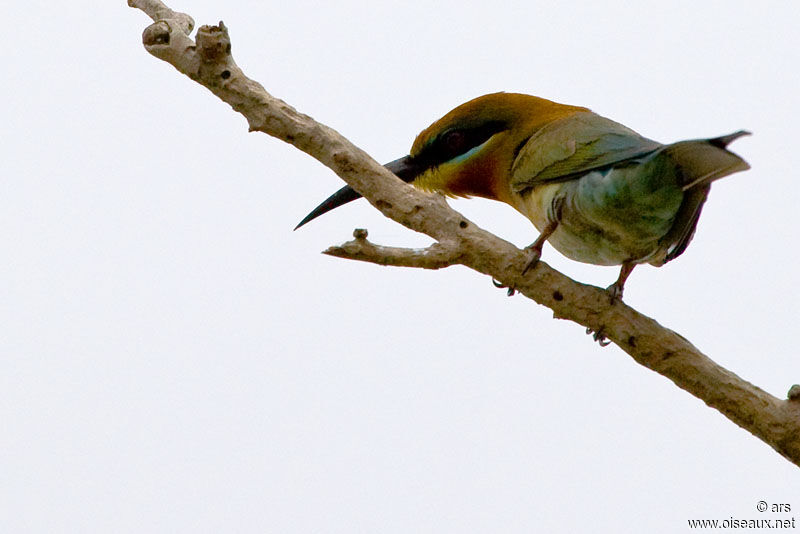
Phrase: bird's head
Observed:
(471, 150)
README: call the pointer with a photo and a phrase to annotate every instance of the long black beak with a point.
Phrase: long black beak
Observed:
(405, 168)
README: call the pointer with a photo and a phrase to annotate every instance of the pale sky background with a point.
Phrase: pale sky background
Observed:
(173, 358)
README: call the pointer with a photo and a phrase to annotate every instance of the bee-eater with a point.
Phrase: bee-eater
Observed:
(596, 190)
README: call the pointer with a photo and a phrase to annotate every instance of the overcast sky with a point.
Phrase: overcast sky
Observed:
(173, 358)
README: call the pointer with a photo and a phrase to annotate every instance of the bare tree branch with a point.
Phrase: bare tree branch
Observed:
(209, 62)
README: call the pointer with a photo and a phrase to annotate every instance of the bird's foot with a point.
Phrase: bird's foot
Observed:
(499, 285)
(534, 253)
(599, 336)
(615, 292)
(534, 250)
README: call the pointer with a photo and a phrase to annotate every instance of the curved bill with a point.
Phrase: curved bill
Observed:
(404, 168)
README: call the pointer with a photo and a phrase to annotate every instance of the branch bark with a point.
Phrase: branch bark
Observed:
(437, 256)
(208, 61)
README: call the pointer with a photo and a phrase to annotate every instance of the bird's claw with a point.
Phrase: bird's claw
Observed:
(499, 285)
(599, 336)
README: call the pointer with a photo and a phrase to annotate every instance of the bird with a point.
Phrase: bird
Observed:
(596, 190)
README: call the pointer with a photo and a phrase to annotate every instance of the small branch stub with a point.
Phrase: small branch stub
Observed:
(214, 43)
(436, 256)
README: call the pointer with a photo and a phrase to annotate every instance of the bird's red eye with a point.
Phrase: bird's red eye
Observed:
(454, 141)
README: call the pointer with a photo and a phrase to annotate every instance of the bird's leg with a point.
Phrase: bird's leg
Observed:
(534, 250)
(615, 289)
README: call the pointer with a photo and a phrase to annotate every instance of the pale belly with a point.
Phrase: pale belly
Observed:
(603, 225)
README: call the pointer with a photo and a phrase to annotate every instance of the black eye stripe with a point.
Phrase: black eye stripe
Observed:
(456, 141)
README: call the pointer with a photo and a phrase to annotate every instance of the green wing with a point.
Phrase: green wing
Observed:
(570, 147)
